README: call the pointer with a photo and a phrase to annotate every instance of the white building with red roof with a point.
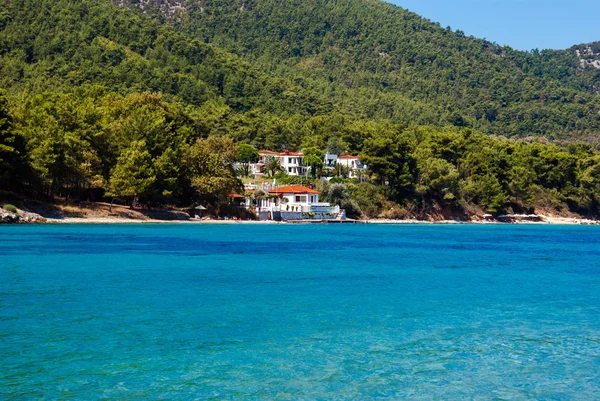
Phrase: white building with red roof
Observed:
(299, 196)
(297, 202)
(354, 165)
(291, 162)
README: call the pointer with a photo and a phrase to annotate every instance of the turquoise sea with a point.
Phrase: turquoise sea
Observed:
(301, 312)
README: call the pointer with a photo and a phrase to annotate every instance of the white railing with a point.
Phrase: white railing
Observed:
(321, 207)
(325, 209)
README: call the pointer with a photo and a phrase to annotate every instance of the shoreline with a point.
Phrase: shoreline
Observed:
(102, 213)
(114, 220)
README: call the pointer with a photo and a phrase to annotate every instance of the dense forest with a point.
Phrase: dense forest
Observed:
(378, 61)
(101, 100)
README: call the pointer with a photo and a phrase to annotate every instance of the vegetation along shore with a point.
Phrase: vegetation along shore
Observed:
(103, 213)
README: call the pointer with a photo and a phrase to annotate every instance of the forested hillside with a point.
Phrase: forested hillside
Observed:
(376, 60)
(358, 58)
(99, 100)
(58, 45)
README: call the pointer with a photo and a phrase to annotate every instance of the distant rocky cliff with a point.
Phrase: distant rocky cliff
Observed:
(589, 55)
(170, 8)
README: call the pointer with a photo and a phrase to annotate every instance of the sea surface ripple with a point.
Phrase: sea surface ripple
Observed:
(312, 312)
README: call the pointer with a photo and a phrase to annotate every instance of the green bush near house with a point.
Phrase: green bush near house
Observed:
(10, 208)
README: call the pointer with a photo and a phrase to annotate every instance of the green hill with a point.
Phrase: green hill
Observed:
(58, 45)
(357, 58)
(376, 60)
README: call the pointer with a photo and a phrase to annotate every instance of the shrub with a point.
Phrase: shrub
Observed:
(10, 208)
(337, 180)
(370, 198)
(337, 193)
(395, 211)
(251, 215)
(352, 208)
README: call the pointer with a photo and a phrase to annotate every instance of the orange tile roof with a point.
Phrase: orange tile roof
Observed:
(236, 196)
(286, 153)
(293, 189)
(348, 157)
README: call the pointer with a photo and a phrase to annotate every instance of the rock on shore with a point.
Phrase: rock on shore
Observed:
(20, 217)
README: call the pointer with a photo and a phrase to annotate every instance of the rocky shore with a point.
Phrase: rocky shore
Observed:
(20, 217)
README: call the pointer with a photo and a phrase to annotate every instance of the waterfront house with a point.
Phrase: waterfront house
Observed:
(297, 202)
(297, 198)
(237, 200)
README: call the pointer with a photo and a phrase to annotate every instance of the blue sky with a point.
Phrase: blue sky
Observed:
(521, 24)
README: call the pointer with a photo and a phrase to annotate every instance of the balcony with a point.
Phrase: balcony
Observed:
(324, 208)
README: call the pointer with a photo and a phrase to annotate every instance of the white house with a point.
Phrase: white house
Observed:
(330, 160)
(291, 162)
(297, 199)
(353, 164)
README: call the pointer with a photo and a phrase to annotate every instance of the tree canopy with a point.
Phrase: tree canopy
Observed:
(134, 172)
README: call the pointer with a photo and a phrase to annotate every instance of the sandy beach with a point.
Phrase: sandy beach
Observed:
(547, 220)
(116, 220)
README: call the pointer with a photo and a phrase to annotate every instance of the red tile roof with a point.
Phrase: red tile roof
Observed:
(286, 153)
(236, 196)
(293, 189)
(348, 157)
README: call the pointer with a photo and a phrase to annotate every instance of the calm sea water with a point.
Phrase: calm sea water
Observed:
(299, 312)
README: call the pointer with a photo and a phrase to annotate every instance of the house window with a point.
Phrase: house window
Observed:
(300, 199)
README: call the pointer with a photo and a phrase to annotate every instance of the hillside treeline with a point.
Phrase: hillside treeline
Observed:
(359, 59)
(377, 60)
(94, 144)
